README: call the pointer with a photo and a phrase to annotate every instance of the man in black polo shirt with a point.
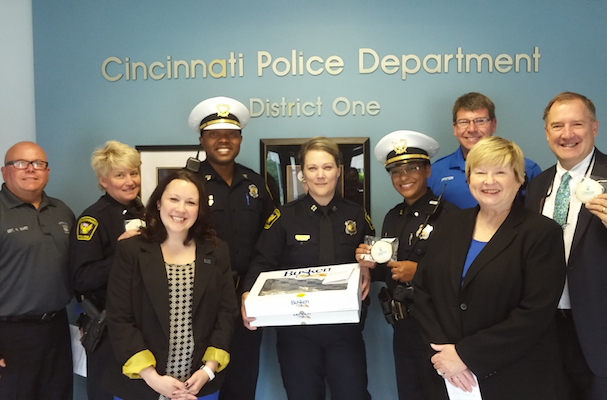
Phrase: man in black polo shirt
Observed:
(240, 204)
(34, 281)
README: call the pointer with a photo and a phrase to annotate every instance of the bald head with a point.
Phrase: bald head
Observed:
(20, 148)
(27, 184)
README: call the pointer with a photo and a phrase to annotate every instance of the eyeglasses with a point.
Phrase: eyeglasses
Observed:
(23, 164)
(407, 170)
(463, 123)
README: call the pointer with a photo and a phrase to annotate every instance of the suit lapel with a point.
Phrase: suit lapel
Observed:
(584, 217)
(155, 280)
(205, 268)
(460, 245)
(498, 243)
(542, 183)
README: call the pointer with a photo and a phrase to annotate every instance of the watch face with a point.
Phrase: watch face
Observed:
(381, 251)
(588, 189)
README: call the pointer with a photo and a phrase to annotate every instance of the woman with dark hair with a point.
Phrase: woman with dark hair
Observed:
(171, 301)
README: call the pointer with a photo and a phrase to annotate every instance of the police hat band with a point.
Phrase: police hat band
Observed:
(215, 119)
(404, 157)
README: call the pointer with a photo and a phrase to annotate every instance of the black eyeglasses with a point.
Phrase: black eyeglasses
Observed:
(23, 164)
(463, 123)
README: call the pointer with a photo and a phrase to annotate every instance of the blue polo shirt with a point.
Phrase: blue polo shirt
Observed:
(451, 170)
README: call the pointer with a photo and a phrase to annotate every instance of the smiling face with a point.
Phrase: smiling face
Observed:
(27, 184)
(410, 180)
(570, 132)
(470, 135)
(122, 184)
(221, 145)
(320, 172)
(178, 207)
(494, 186)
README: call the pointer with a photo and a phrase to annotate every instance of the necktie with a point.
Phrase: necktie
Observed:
(561, 203)
(326, 248)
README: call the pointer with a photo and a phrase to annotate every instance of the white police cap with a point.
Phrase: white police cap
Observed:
(403, 146)
(218, 113)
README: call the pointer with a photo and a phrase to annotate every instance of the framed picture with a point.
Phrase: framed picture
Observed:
(158, 161)
(281, 169)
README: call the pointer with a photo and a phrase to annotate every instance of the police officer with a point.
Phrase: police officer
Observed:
(406, 156)
(115, 216)
(322, 228)
(240, 204)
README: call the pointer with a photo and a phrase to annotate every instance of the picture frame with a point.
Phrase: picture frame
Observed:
(280, 169)
(158, 161)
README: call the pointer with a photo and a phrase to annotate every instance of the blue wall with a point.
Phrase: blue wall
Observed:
(78, 109)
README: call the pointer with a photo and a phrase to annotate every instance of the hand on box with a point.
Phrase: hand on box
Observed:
(365, 282)
(243, 311)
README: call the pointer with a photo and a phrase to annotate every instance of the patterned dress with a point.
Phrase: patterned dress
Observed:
(181, 337)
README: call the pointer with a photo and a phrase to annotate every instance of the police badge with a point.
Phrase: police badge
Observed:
(350, 227)
(425, 234)
(253, 191)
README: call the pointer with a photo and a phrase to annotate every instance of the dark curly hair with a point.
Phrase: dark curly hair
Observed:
(155, 230)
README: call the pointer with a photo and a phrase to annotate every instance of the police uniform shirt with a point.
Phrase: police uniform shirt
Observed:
(93, 244)
(34, 255)
(291, 235)
(238, 212)
(405, 222)
(451, 170)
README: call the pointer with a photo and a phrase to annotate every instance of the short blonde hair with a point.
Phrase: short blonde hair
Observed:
(498, 151)
(114, 155)
(320, 143)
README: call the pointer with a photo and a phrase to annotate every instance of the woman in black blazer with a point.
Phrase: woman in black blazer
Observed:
(487, 290)
(171, 302)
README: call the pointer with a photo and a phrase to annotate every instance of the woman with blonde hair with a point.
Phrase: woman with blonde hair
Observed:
(115, 216)
(486, 292)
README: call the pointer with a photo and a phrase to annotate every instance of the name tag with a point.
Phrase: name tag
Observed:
(302, 238)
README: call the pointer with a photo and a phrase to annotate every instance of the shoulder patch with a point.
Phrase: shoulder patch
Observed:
(86, 228)
(272, 218)
(368, 219)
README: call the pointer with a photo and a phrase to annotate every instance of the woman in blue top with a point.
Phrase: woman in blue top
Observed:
(487, 290)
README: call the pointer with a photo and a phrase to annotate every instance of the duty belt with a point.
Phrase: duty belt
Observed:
(393, 310)
(46, 317)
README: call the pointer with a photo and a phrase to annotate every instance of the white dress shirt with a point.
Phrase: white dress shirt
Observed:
(577, 173)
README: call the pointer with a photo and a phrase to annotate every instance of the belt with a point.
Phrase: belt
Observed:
(46, 317)
(563, 313)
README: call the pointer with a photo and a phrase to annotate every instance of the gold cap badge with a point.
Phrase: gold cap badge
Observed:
(400, 146)
(223, 110)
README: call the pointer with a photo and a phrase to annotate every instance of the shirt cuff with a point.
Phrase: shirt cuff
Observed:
(138, 363)
(221, 356)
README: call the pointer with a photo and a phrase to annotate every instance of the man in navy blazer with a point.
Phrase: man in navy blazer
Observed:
(571, 126)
